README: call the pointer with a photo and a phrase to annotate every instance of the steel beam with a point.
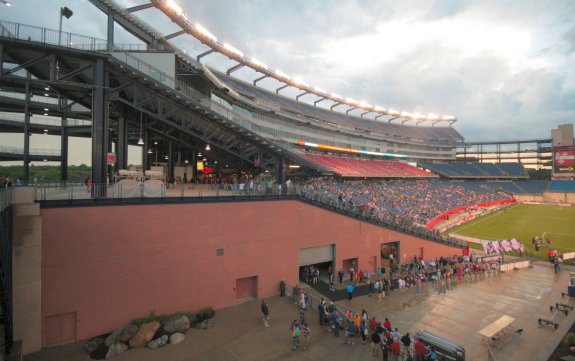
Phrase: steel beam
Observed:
(349, 110)
(280, 88)
(260, 78)
(26, 64)
(139, 7)
(110, 31)
(379, 116)
(26, 165)
(234, 68)
(100, 109)
(335, 105)
(173, 35)
(64, 147)
(122, 143)
(300, 95)
(204, 54)
(127, 24)
(319, 100)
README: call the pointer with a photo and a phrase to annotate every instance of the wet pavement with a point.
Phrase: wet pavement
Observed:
(457, 313)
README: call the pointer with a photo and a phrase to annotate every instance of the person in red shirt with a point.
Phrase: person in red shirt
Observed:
(387, 323)
(372, 325)
(419, 351)
(395, 348)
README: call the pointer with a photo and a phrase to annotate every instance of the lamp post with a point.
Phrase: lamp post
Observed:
(186, 171)
(65, 11)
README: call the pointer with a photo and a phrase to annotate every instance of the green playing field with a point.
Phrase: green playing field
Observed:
(523, 221)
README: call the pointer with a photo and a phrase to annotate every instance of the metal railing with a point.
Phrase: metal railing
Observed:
(33, 151)
(43, 120)
(6, 198)
(130, 189)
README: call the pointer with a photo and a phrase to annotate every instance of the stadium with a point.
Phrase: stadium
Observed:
(240, 188)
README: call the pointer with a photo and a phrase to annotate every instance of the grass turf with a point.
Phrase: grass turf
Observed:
(523, 221)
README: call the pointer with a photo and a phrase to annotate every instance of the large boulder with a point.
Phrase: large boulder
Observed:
(177, 338)
(177, 323)
(93, 344)
(205, 324)
(116, 349)
(121, 335)
(144, 335)
(157, 343)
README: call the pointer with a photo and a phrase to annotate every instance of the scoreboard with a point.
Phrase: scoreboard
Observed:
(564, 161)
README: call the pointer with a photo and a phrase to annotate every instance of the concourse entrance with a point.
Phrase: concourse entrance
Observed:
(389, 253)
(316, 258)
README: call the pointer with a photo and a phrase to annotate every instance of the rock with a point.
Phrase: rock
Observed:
(177, 323)
(160, 332)
(144, 335)
(93, 344)
(100, 352)
(116, 349)
(177, 338)
(157, 343)
(205, 324)
(122, 335)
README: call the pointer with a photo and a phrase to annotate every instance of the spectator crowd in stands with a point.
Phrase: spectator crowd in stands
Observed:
(402, 202)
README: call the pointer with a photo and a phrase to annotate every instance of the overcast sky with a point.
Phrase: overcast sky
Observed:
(506, 69)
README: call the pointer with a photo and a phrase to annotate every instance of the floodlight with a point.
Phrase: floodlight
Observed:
(432, 116)
(448, 117)
(256, 62)
(351, 101)
(405, 115)
(319, 90)
(7, 3)
(175, 7)
(335, 96)
(298, 81)
(282, 74)
(67, 13)
(377, 108)
(364, 104)
(205, 32)
(231, 49)
(392, 112)
(418, 116)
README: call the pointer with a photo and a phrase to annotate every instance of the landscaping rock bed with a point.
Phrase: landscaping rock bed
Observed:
(152, 332)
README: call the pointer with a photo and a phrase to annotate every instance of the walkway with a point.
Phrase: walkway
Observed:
(458, 314)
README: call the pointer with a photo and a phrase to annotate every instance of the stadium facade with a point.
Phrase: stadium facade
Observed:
(84, 267)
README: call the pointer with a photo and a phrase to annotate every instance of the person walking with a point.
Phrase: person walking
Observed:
(295, 334)
(266, 312)
(350, 291)
(375, 341)
(405, 343)
(306, 336)
(321, 310)
(351, 331)
(419, 350)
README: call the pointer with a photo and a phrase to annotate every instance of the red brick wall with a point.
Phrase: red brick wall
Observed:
(110, 264)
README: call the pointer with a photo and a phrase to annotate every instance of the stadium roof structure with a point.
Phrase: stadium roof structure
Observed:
(171, 9)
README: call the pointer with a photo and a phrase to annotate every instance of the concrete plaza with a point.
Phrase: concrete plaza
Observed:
(457, 314)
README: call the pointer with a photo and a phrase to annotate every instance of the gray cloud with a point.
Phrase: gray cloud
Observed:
(499, 93)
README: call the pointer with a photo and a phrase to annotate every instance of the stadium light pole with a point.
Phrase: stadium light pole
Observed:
(65, 11)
